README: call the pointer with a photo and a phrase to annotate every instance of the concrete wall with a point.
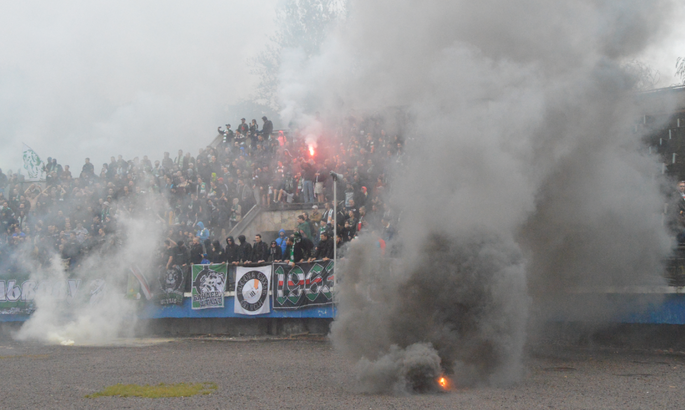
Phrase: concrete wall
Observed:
(233, 327)
(269, 222)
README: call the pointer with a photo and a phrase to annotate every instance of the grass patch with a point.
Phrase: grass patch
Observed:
(155, 392)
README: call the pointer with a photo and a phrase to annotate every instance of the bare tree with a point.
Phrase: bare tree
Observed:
(299, 24)
(680, 69)
(644, 76)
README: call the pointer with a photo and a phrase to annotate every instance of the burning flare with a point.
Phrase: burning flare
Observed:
(444, 383)
(311, 150)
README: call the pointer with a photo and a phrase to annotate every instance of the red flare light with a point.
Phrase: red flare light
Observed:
(444, 383)
(311, 150)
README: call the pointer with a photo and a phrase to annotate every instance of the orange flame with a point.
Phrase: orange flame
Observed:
(311, 150)
(445, 383)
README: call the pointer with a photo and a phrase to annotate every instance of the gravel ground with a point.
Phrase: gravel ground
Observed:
(309, 374)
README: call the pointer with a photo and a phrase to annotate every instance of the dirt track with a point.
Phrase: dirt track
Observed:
(311, 375)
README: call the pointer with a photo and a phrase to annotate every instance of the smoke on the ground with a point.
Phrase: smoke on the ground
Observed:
(523, 177)
(86, 304)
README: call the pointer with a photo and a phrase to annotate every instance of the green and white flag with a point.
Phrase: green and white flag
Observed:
(209, 285)
(32, 164)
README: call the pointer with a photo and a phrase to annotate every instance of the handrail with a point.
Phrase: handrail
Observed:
(245, 221)
(216, 141)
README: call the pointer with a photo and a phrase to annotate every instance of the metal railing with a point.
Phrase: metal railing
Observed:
(245, 221)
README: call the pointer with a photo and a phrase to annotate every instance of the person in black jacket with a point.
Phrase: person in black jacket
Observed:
(244, 253)
(301, 249)
(324, 251)
(231, 251)
(268, 128)
(260, 250)
(181, 257)
(216, 252)
(196, 251)
(275, 253)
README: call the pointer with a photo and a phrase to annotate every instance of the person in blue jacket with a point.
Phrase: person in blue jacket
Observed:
(202, 233)
(281, 241)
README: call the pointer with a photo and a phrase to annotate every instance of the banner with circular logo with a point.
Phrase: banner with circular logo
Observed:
(252, 284)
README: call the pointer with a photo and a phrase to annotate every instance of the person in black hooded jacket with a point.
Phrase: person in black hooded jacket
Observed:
(216, 252)
(244, 250)
(231, 251)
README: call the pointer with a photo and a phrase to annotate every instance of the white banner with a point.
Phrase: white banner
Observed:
(252, 286)
(32, 164)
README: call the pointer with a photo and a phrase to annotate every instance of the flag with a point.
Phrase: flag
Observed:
(252, 284)
(208, 286)
(142, 280)
(32, 164)
(303, 284)
(170, 285)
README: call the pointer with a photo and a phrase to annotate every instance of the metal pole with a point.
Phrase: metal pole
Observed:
(335, 232)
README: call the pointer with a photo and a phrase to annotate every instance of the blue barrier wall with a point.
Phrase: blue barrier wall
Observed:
(152, 311)
(669, 310)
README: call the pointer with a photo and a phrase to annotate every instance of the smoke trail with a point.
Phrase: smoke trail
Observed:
(523, 177)
(96, 311)
(291, 94)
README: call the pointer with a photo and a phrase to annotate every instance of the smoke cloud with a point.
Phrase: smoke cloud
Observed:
(87, 305)
(95, 79)
(523, 177)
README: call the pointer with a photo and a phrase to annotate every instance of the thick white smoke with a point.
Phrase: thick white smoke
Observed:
(523, 177)
(88, 305)
(94, 79)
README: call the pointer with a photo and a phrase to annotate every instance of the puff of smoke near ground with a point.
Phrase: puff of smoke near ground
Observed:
(98, 312)
(523, 177)
(461, 309)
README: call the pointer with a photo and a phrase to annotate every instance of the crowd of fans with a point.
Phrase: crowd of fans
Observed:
(199, 198)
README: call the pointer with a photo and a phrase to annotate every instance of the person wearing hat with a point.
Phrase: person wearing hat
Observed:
(243, 128)
(228, 134)
(268, 128)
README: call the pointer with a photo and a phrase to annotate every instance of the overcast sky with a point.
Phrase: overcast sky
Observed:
(95, 78)
(100, 78)
(664, 56)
